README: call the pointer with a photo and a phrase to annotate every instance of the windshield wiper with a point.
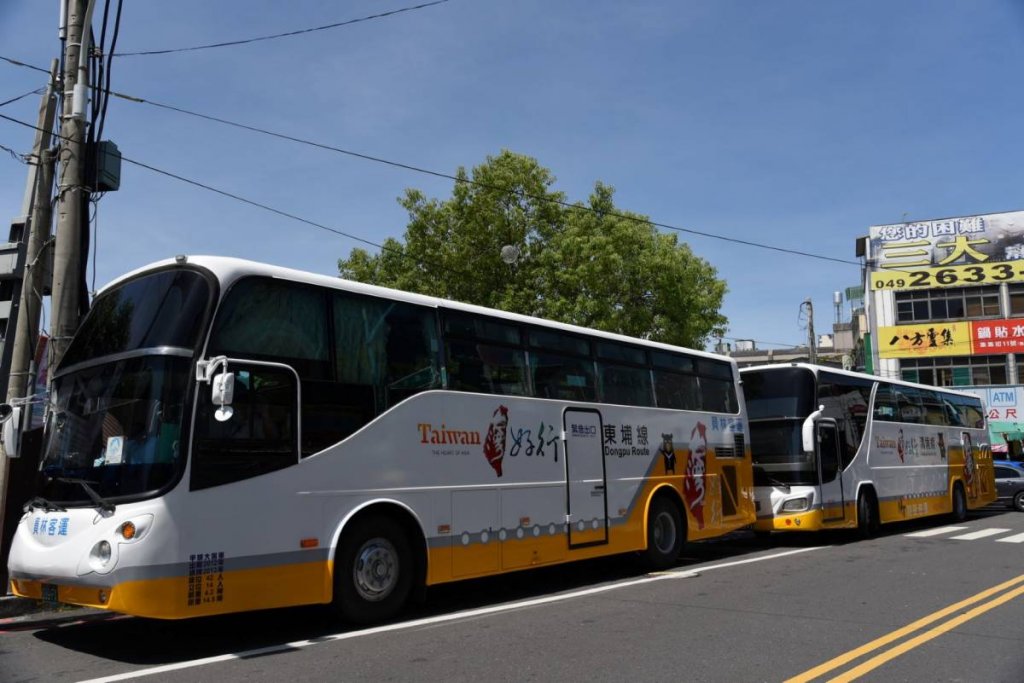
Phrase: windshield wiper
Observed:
(104, 505)
(42, 504)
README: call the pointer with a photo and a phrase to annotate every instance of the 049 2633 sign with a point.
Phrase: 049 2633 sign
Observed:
(947, 276)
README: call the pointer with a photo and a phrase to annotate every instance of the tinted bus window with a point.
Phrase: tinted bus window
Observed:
(274, 320)
(677, 391)
(885, 403)
(718, 395)
(786, 392)
(557, 341)
(566, 378)
(673, 361)
(621, 352)
(625, 385)
(476, 327)
(971, 412)
(846, 399)
(160, 309)
(486, 368)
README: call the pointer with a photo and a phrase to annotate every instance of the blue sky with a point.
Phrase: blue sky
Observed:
(796, 123)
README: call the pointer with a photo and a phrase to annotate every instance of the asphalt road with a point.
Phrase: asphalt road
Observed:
(922, 602)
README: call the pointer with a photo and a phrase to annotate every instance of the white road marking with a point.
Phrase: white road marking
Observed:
(1017, 538)
(975, 535)
(455, 616)
(936, 532)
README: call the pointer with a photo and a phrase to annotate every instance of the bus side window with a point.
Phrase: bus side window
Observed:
(908, 401)
(258, 438)
(952, 414)
(885, 404)
(561, 366)
(718, 391)
(484, 355)
(625, 377)
(625, 385)
(486, 368)
(566, 378)
(385, 351)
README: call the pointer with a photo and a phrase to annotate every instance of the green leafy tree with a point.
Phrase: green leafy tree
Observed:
(587, 264)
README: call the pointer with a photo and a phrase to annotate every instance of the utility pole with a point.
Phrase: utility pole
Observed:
(26, 331)
(72, 195)
(34, 228)
(812, 352)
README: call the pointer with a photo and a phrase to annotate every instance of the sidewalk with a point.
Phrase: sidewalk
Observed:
(14, 610)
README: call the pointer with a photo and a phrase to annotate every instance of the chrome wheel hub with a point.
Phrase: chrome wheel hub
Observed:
(375, 572)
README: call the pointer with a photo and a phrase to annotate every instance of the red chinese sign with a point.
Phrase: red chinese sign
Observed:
(997, 336)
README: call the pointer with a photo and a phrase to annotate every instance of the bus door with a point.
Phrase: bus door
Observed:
(586, 495)
(830, 480)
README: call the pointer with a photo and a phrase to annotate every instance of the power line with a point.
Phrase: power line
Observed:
(476, 183)
(21, 97)
(14, 155)
(246, 41)
(251, 202)
(448, 176)
(23, 64)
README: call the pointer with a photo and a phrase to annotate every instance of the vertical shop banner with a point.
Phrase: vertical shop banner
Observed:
(949, 252)
(929, 339)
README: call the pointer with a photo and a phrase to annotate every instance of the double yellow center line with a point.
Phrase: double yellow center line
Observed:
(890, 654)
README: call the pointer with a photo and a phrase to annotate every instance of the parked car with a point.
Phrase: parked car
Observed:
(1010, 483)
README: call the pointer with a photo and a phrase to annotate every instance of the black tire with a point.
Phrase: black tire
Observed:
(666, 534)
(1018, 501)
(867, 515)
(959, 512)
(373, 571)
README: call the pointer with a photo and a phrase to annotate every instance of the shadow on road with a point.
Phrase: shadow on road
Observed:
(151, 642)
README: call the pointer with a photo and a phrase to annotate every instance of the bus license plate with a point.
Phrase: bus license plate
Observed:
(50, 593)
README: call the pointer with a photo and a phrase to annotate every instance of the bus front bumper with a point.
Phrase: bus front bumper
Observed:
(790, 521)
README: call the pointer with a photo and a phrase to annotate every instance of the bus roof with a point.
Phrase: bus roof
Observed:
(839, 371)
(229, 269)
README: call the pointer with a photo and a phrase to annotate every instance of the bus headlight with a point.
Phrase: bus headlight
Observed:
(796, 505)
(99, 556)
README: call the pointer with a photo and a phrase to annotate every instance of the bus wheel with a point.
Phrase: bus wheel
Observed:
(867, 515)
(665, 534)
(1018, 501)
(373, 571)
(959, 503)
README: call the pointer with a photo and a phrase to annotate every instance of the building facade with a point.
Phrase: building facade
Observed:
(945, 303)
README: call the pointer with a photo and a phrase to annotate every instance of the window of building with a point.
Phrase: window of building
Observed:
(1016, 300)
(954, 370)
(949, 304)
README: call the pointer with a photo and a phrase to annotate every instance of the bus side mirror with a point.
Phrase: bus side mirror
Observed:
(807, 430)
(10, 418)
(222, 395)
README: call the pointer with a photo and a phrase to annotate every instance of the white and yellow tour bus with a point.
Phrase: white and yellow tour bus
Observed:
(835, 449)
(223, 435)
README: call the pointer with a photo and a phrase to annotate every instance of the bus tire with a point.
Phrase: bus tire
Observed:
(665, 534)
(867, 515)
(959, 503)
(373, 571)
(1018, 501)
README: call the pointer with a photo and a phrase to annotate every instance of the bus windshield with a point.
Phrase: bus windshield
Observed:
(782, 392)
(778, 455)
(165, 308)
(117, 426)
(115, 412)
